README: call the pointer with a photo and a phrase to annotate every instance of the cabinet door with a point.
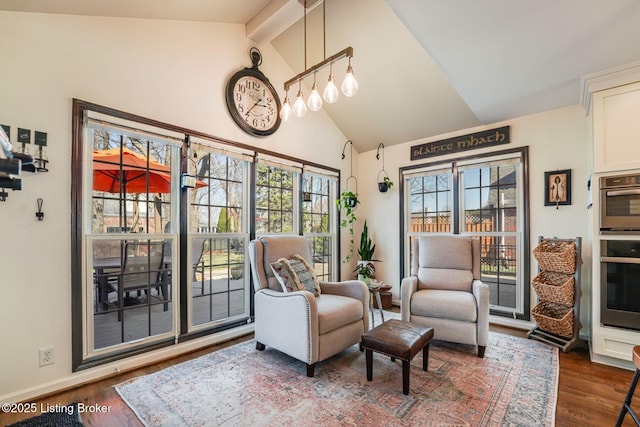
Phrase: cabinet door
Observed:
(616, 128)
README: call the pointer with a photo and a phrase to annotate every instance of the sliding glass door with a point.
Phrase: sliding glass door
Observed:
(482, 197)
(218, 235)
(161, 224)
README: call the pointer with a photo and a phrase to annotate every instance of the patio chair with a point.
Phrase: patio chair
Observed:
(197, 249)
(143, 269)
(445, 291)
(307, 327)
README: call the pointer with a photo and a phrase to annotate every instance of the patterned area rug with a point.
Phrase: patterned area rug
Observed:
(515, 385)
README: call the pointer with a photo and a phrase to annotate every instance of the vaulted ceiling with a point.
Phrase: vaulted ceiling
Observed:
(424, 67)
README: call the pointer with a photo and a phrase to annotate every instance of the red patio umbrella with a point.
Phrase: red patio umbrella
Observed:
(130, 172)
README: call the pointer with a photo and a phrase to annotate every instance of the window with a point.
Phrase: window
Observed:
(157, 262)
(131, 190)
(318, 223)
(275, 199)
(218, 236)
(484, 197)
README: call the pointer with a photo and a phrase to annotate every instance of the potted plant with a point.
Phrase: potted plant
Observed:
(366, 268)
(366, 271)
(367, 247)
(347, 204)
(385, 184)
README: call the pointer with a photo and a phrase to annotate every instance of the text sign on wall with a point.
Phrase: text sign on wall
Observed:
(472, 141)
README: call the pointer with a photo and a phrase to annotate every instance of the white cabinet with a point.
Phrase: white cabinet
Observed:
(616, 128)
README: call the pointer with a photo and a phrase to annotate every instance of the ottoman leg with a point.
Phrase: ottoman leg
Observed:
(425, 357)
(369, 356)
(406, 364)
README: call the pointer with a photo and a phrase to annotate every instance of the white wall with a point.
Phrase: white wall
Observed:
(557, 139)
(170, 71)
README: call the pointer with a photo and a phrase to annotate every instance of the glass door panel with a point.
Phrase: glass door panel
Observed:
(219, 281)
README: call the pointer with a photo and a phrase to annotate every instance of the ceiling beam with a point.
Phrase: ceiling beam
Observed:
(276, 17)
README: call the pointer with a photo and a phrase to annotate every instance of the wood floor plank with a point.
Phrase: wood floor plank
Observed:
(589, 394)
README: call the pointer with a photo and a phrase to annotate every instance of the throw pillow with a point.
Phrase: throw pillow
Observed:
(284, 277)
(294, 274)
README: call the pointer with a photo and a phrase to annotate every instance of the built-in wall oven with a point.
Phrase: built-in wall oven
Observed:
(620, 283)
(620, 203)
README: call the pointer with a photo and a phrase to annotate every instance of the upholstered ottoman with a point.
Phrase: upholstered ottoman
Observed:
(400, 339)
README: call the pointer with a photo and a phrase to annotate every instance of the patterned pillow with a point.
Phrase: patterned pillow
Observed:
(286, 280)
(295, 274)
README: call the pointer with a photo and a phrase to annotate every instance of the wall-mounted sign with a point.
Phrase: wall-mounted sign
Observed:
(24, 136)
(40, 138)
(457, 144)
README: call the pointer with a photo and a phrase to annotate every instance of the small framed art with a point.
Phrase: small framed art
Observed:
(557, 188)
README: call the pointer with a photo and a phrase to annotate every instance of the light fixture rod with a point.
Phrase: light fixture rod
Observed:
(346, 52)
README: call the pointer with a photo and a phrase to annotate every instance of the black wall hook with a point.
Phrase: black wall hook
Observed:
(40, 214)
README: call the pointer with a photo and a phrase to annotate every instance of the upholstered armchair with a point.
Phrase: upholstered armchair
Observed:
(445, 291)
(307, 327)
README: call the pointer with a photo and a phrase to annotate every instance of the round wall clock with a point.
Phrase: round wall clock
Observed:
(252, 101)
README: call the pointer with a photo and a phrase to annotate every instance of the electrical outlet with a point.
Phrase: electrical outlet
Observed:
(47, 356)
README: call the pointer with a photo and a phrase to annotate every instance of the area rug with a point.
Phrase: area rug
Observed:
(515, 384)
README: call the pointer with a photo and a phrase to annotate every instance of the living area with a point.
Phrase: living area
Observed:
(156, 79)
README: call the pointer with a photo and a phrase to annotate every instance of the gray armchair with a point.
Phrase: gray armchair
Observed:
(445, 291)
(306, 327)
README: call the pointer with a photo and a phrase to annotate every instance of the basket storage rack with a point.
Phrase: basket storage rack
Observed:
(557, 313)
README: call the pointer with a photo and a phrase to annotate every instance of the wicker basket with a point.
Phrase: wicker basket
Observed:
(556, 256)
(554, 318)
(555, 287)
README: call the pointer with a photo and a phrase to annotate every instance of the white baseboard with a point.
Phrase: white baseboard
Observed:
(107, 370)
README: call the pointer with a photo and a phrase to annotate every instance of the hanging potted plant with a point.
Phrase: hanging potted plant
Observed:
(384, 183)
(347, 204)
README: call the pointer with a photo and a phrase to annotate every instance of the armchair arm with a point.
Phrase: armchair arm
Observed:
(295, 311)
(408, 286)
(481, 292)
(350, 288)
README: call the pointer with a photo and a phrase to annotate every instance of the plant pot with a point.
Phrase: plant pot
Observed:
(383, 187)
(366, 280)
(352, 202)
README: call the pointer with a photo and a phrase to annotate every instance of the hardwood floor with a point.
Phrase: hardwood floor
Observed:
(589, 394)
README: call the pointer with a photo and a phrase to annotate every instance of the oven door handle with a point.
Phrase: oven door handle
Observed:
(623, 192)
(621, 260)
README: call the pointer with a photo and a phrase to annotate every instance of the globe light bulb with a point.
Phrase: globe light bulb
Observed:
(331, 93)
(315, 100)
(285, 112)
(349, 85)
(299, 107)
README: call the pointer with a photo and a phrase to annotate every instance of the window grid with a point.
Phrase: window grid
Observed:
(274, 200)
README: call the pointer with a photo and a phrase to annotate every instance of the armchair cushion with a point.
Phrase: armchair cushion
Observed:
(444, 278)
(335, 311)
(454, 305)
(295, 274)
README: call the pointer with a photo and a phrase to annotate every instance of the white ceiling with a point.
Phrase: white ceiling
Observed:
(424, 67)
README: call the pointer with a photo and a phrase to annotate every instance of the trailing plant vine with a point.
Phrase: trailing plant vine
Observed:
(347, 204)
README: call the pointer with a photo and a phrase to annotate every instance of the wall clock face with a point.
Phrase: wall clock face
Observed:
(253, 102)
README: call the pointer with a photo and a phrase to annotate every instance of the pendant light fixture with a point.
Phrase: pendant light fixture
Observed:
(285, 111)
(315, 100)
(299, 107)
(330, 94)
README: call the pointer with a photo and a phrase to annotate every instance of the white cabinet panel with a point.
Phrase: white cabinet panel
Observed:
(616, 128)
